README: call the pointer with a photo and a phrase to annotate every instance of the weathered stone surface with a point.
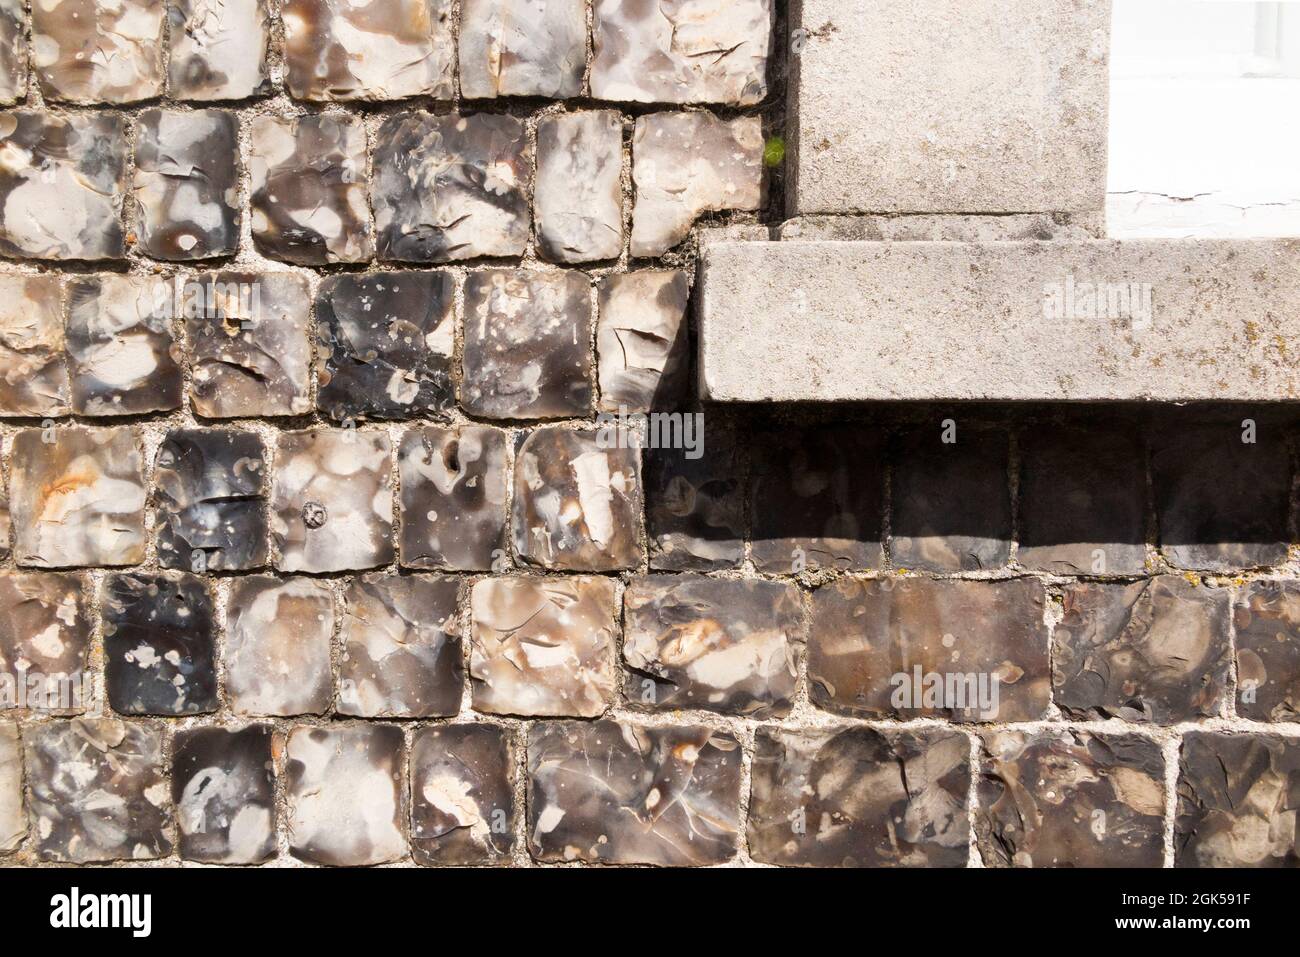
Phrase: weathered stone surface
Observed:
(522, 49)
(13, 52)
(401, 648)
(966, 114)
(159, 644)
(346, 795)
(308, 179)
(816, 500)
(368, 49)
(618, 793)
(641, 338)
(1267, 633)
(277, 648)
(249, 345)
(1154, 650)
(712, 643)
(44, 641)
(122, 356)
(187, 183)
(914, 648)
(1221, 502)
(951, 501)
(211, 495)
(947, 227)
(451, 187)
(33, 374)
(98, 791)
(462, 794)
(695, 511)
(219, 49)
(6, 527)
(575, 502)
(527, 348)
(1222, 322)
(1060, 798)
(578, 201)
(685, 164)
(62, 185)
(88, 51)
(681, 51)
(453, 498)
(1083, 494)
(1236, 801)
(13, 822)
(388, 340)
(543, 646)
(858, 798)
(78, 499)
(223, 786)
(332, 501)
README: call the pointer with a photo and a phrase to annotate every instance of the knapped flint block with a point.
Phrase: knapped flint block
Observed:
(219, 49)
(695, 510)
(223, 786)
(616, 793)
(578, 201)
(13, 820)
(462, 795)
(45, 631)
(641, 338)
(1236, 801)
(13, 53)
(522, 49)
(33, 372)
(1267, 635)
(1155, 650)
(277, 646)
(917, 648)
(857, 797)
(87, 51)
(98, 791)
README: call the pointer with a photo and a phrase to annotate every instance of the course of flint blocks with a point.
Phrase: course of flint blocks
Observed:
(307, 313)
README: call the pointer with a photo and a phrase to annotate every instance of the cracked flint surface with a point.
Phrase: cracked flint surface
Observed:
(641, 341)
(13, 822)
(1267, 633)
(13, 52)
(223, 786)
(45, 630)
(462, 795)
(578, 200)
(277, 647)
(90, 51)
(219, 49)
(33, 374)
(513, 48)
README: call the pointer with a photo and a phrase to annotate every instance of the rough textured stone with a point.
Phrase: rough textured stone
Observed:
(187, 183)
(1154, 650)
(332, 501)
(947, 227)
(543, 646)
(368, 49)
(45, 632)
(307, 175)
(1222, 322)
(451, 187)
(33, 374)
(121, 353)
(13, 822)
(401, 648)
(695, 514)
(1222, 503)
(575, 502)
(685, 164)
(79, 499)
(62, 185)
(815, 500)
(578, 201)
(13, 55)
(223, 786)
(951, 502)
(1083, 495)
(1236, 801)
(453, 498)
(681, 51)
(877, 647)
(967, 111)
(89, 51)
(277, 648)
(249, 345)
(219, 49)
(346, 794)
(159, 644)
(641, 338)
(211, 495)
(1267, 634)
(388, 340)
(522, 49)
(858, 798)
(712, 643)
(462, 795)
(1060, 798)
(618, 793)
(98, 791)
(527, 351)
